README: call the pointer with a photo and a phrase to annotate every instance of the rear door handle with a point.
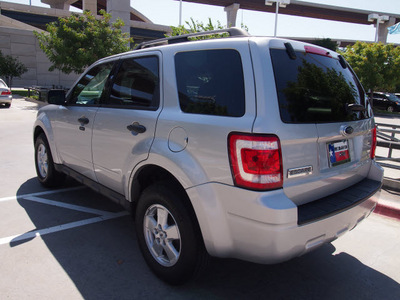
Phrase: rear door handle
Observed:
(136, 127)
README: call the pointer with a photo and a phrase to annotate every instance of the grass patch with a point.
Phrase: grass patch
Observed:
(22, 93)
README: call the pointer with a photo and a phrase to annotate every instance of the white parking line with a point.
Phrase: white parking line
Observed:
(41, 232)
(68, 206)
(103, 215)
(42, 193)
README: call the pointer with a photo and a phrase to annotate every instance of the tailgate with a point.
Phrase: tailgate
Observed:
(324, 123)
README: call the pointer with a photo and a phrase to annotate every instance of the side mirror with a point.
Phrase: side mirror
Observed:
(56, 97)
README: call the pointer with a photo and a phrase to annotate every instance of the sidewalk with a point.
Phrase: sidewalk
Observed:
(389, 204)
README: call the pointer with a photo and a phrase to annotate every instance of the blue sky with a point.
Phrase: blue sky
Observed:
(166, 12)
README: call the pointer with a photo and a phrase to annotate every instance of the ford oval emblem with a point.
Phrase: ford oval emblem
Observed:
(349, 130)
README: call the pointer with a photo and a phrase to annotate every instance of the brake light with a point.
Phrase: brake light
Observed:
(256, 161)
(3, 93)
(373, 143)
(316, 50)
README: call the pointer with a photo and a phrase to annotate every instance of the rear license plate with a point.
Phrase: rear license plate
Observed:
(338, 152)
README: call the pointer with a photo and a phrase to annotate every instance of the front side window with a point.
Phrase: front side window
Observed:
(89, 89)
(210, 82)
(316, 89)
(136, 84)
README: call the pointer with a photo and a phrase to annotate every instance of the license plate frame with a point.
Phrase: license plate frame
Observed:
(338, 152)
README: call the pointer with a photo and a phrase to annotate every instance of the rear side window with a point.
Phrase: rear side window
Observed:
(136, 84)
(314, 88)
(210, 82)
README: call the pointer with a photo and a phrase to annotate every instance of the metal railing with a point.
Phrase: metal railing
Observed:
(386, 137)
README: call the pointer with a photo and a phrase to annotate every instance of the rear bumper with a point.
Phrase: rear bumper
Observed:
(5, 99)
(269, 228)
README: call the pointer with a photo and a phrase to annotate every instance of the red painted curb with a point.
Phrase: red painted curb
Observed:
(387, 211)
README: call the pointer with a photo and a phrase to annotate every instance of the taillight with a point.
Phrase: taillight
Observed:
(4, 93)
(256, 161)
(373, 143)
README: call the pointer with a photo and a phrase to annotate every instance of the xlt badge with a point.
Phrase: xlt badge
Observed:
(302, 171)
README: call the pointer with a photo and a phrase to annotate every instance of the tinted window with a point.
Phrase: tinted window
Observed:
(89, 89)
(210, 82)
(316, 89)
(136, 84)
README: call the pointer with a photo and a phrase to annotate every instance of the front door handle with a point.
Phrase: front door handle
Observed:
(83, 120)
(136, 127)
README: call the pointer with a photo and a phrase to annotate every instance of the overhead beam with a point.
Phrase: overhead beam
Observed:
(303, 9)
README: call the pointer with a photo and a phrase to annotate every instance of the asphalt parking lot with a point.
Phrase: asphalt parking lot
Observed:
(73, 243)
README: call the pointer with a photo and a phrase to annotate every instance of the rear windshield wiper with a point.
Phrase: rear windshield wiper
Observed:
(356, 107)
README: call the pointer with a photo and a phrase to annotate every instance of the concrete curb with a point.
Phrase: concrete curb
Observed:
(389, 202)
(388, 211)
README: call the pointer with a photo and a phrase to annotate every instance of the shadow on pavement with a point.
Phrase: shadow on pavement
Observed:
(104, 262)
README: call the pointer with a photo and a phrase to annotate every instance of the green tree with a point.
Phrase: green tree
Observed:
(326, 43)
(197, 26)
(377, 65)
(11, 67)
(74, 43)
(324, 90)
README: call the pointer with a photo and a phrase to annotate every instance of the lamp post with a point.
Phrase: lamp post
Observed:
(379, 20)
(180, 12)
(278, 3)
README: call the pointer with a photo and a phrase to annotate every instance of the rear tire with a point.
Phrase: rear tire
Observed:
(7, 105)
(45, 170)
(168, 234)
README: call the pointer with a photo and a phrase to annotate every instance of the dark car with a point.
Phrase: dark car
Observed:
(386, 101)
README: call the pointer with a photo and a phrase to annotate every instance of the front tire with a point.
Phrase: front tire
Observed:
(168, 234)
(45, 170)
(390, 109)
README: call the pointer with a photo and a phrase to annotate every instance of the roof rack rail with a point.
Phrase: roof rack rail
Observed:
(233, 31)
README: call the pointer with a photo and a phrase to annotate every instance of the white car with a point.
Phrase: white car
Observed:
(5, 94)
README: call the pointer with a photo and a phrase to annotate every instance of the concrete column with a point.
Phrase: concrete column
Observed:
(59, 4)
(383, 30)
(120, 9)
(90, 5)
(231, 13)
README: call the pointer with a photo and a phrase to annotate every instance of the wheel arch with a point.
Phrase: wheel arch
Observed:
(37, 131)
(42, 125)
(151, 174)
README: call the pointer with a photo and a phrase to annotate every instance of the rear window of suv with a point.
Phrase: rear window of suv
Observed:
(314, 88)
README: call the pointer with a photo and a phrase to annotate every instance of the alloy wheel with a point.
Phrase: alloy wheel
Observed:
(162, 235)
(42, 160)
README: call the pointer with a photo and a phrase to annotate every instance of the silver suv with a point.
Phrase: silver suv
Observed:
(254, 148)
